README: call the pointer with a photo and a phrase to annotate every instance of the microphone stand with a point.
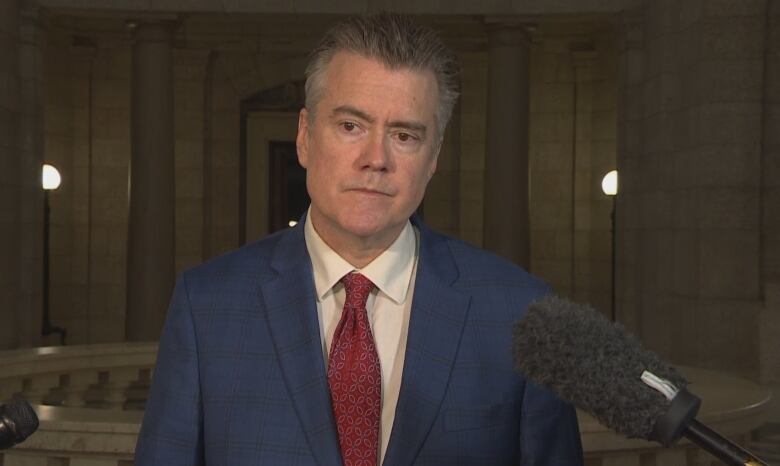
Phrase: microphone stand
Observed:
(719, 446)
(680, 421)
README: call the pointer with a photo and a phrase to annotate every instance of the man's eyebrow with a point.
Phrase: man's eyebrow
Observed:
(410, 125)
(350, 110)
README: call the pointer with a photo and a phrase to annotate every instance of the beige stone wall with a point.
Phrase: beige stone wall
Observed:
(690, 158)
(21, 197)
(770, 195)
(684, 95)
(225, 146)
(771, 148)
(424, 7)
(88, 137)
(88, 134)
(570, 223)
(9, 169)
(572, 146)
(441, 206)
(190, 125)
(65, 122)
(473, 111)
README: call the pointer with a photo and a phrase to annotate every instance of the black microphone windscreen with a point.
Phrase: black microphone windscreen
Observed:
(24, 416)
(17, 422)
(592, 363)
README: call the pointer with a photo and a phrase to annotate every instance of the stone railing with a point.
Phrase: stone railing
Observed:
(90, 400)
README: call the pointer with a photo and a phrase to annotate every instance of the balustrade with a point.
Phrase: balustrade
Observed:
(90, 400)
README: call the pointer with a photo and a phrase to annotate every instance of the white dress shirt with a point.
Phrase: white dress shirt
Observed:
(389, 305)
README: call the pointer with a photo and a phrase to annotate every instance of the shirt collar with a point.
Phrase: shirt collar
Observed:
(391, 271)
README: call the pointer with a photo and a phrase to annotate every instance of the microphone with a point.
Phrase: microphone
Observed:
(17, 422)
(601, 368)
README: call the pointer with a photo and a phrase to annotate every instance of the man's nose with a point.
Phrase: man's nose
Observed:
(376, 154)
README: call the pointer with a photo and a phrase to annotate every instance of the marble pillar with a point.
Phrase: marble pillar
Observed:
(29, 303)
(770, 193)
(21, 197)
(770, 144)
(9, 171)
(151, 244)
(506, 212)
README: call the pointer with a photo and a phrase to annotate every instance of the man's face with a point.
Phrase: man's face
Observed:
(369, 151)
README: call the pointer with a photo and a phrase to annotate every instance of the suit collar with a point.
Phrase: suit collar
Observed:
(438, 315)
(291, 311)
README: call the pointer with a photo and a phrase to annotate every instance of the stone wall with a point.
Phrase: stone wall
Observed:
(770, 161)
(690, 131)
(21, 197)
(473, 111)
(570, 217)
(684, 94)
(770, 195)
(191, 98)
(88, 137)
(9, 169)
(88, 109)
(572, 147)
(461, 7)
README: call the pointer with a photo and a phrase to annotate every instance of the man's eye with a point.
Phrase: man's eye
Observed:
(349, 126)
(405, 137)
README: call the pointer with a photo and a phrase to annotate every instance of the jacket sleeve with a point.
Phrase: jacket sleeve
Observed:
(172, 429)
(549, 433)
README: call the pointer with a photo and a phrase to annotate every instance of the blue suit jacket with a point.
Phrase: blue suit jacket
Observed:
(240, 378)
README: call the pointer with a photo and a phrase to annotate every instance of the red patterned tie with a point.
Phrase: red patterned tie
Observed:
(355, 378)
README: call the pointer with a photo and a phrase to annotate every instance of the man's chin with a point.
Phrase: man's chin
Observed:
(372, 230)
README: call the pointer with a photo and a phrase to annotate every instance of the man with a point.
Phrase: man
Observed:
(357, 337)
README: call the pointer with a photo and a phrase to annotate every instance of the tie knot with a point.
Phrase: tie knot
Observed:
(358, 287)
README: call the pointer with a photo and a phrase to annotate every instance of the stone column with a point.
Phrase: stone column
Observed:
(506, 213)
(21, 200)
(151, 246)
(10, 182)
(29, 304)
(770, 144)
(770, 192)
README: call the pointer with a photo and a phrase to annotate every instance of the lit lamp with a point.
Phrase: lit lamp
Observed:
(609, 184)
(50, 180)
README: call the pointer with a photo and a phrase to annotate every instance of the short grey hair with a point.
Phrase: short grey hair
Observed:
(397, 42)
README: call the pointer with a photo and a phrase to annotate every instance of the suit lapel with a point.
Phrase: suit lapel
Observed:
(436, 323)
(291, 310)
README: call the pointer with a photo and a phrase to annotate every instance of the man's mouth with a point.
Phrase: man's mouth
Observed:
(369, 191)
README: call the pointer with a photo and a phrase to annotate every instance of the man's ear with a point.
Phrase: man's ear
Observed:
(302, 139)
